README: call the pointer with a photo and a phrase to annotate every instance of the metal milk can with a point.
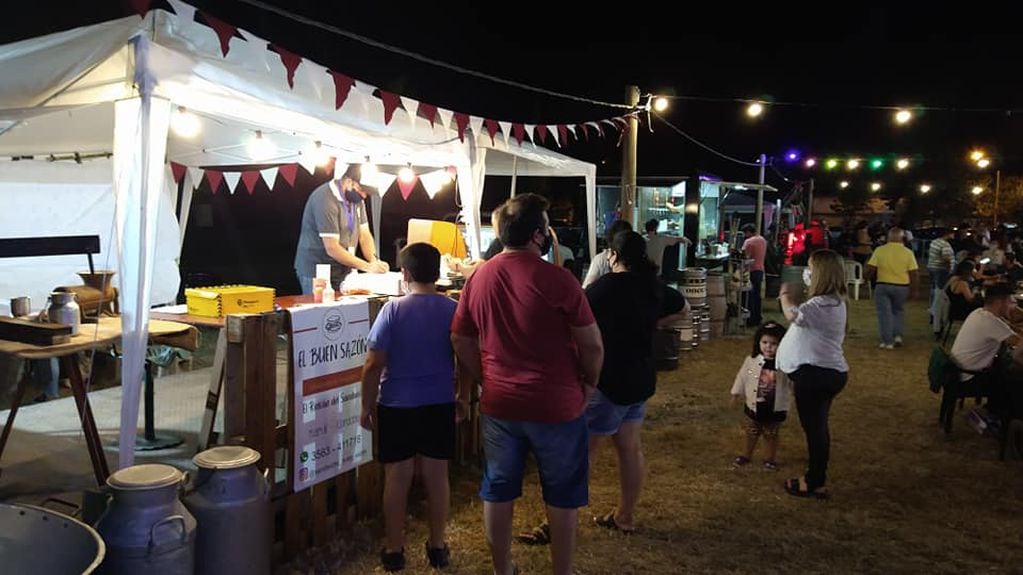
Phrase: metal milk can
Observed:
(231, 502)
(146, 528)
(62, 308)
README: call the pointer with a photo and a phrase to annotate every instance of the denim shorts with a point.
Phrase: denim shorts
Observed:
(605, 417)
(561, 451)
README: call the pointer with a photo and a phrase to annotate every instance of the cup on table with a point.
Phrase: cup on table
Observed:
(21, 306)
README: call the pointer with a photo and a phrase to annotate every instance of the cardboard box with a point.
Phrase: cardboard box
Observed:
(220, 301)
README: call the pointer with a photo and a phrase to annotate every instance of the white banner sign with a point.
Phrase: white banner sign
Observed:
(330, 346)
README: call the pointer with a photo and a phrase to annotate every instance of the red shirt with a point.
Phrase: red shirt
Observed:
(522, 309)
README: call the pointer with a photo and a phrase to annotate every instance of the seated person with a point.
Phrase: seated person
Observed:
(1013, 269)
(960, 292)
(984, 332)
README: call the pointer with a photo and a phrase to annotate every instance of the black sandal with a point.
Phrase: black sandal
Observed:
(392, 561)
(607, 521)
(439, 557)
(798, 487)
(540, 535)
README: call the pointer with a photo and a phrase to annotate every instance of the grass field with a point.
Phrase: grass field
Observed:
(906, 498)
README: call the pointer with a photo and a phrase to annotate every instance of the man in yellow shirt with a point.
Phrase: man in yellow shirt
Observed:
(894, 267)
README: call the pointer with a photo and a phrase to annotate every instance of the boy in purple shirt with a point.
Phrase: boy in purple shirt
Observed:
(411, 365)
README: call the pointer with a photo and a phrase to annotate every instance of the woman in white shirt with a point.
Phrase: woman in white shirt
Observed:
(811, 354)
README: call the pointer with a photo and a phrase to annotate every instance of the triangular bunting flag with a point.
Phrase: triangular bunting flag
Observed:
(382, 182)
(505, 131)
(342, 86)
(224, 31)
(178, 171)
(445, 117)
(492, 128)
(462, 120)
(554, 135)
(249, 180)
(308, 162)
(599, 127)
(339, 169)
(582, 128)
(410, 106)
(520, 132)
(391, 103)
(195, 177)
(269, 176)
(140, 7)
(541, 132)
(427, 112)
(185, 12)
(476, 123)
(407, 187)
(289, 172)
(290, 60)
(563, 135)
(231, 179)
(214, 177)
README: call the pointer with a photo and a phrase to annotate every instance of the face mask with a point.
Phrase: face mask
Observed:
(545, 247)
(806, 277)
(353, 196)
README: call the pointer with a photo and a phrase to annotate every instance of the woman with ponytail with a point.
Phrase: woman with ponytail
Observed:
(629, 303)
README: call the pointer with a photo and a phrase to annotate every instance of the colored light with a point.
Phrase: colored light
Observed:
(660, 104)
(983, 163)
(902, 164)
(843, 184)
(876, 164)
(831, 164)
(792, 156)
(852, 164)
(810, 162)
(903, 116)
(185, 124)
(977, 190)
(754, 109)
(924, 188)
(976, 155)
(875, 186)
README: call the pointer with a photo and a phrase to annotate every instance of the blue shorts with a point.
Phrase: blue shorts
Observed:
(605, 417)
(562, 456)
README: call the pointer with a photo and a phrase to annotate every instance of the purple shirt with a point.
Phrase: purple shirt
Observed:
(415, 333)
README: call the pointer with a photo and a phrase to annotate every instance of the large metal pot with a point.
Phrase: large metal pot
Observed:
(36, 540)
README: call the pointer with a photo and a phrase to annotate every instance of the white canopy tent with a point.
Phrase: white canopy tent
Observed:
(110, 90)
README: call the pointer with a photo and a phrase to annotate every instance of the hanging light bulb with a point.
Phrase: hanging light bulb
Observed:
(903, 117)
(924, 188)
(831, 164)
(843, 184)
(976, 155)
(754, 109)
(875, 186)
(977, 190)
(317, 154)
(810, 162)
(406, 175)
(852, 164)
(367, 172)
(660, 104)
(983, 163)
(261, 148)
(902, 164)
(185, 123)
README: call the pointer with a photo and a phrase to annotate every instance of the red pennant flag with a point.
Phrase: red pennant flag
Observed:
(290, 60)
(519, 132)
(140, 7)
(563, 135)
(249, 180)
(224, 31)
(391, 103)
(492, 127)
(541, 131)
(462, 121)
(586, 133)
(178, 171)
(600, 128)
(289, 172)
(342, 86)
(407, 187)
(427, 111)
(214, 178)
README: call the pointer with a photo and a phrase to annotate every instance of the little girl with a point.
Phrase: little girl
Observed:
(767, 393)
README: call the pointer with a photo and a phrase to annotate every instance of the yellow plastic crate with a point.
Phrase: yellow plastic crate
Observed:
(220, 301)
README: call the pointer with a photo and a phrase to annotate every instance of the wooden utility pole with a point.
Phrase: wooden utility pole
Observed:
(760, 197)
(627, 200)
(809, 206)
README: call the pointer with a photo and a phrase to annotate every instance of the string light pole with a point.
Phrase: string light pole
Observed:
(627, 199)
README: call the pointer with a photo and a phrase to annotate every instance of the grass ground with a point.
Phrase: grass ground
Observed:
(906, 498)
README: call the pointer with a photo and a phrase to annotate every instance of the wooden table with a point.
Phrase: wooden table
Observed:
(106, 331)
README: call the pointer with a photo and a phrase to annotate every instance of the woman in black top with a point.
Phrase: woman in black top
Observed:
(628, 304)
(959, 292)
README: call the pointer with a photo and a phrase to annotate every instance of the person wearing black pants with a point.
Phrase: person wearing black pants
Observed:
(815, 389)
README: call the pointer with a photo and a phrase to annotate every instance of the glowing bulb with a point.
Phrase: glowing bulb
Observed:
(983, 163)
(831, 164)
(876, 164)
(185, 123)
(852, 164)
(261, 148)
(903, 116)
(754, 109)
(810, 162)
(318, 153)
(843, 184)
(875, 186)
(660, 104)
(977, 190)
(976, 155)
(406, 175)
(367, 173)
(902, 164)
(925, 188)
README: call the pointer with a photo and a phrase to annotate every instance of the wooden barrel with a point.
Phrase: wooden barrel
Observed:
(666, 348)
(716, 297)
(694, 286)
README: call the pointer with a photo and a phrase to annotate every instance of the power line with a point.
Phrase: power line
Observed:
(425, 59)
(731, 100)
(702, 145)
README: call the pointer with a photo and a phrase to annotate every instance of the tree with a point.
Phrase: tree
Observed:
(849, 202)
(1010, 196)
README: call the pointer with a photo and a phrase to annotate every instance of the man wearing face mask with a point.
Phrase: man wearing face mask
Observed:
(333, 224)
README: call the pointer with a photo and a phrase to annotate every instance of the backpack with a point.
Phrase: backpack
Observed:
(941, 369)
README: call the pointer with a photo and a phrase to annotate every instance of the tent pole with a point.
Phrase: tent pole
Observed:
(515, 169)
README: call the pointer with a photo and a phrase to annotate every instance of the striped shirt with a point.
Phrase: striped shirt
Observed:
(939, 250)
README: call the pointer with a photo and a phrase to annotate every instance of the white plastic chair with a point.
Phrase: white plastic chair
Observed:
(854, 277)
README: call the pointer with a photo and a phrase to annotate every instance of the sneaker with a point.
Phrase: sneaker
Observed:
(898, 341)
(392, 561)
(740, 461)
(886, 346)
(439, 557)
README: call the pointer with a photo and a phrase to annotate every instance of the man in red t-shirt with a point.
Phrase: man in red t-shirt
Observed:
(524, 327)
(755, 248)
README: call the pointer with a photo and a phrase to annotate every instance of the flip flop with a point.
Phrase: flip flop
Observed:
(607, 521)
(540, 535)
(797, 487)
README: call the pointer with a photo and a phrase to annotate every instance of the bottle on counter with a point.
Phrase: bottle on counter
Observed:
(319, 284)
